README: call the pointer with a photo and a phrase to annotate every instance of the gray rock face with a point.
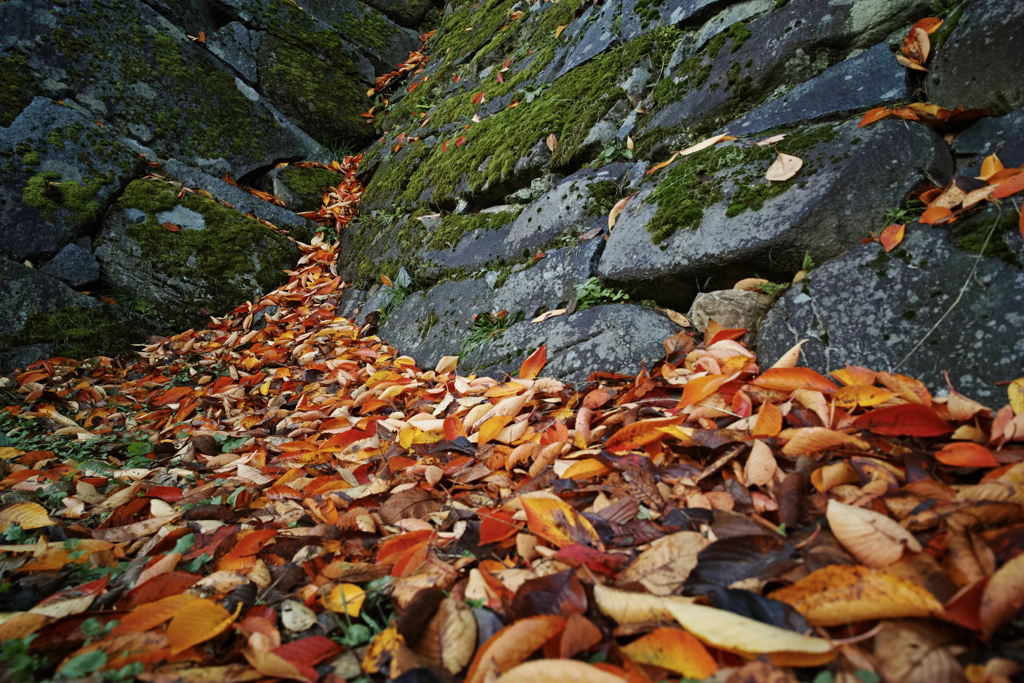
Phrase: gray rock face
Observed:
(238, 47)
(435, 322)
(1002, 136)
(614, 338)
(901, 312)
(291, 185)
(783, 48)
(155, 86)
(981, 62)
(845, 188)
(408, 13)
(870, 79)
(25, 292)
(74, 265)
(637, 17)
(54, 186)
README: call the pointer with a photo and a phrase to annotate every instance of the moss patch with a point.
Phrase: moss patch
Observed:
(17, 87)
(603, 195)
(311, 180)
(46, 195)
(221, 254)
(78, 332)
(970, 236)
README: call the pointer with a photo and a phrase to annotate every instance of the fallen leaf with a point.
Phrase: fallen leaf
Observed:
(892, 236)
(1003, 597)
(675, 650)
(874, 539)
(784, 167)
(704, 144)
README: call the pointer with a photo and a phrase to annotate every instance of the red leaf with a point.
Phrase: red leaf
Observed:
(728, 334)
(501, 79)
(873, 115)
(444, 147)
(966, 454)
(496, 526)
(1011, 185)
(532, 365)
(172, 396)
(309, 651)
(460, 141)
(478, 98)
(909, 419)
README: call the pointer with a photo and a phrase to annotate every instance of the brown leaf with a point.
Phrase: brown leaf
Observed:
(1003, 597)
(450, 638)
(411, 503)
(784, 167)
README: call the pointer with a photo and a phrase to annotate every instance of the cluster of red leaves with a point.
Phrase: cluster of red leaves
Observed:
(945, 205)
(385, 83)
(945, 121)
(340, 204)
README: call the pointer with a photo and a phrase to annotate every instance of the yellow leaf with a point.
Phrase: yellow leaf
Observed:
(1016, 392)
(25, 515)
(558, 671)
(845, 594)
(718, 628)
(613, 215)
(557, 522)
(151, 614)
(704, 144)
(864, 396)
(586, 469)
(784, 168)
(663, 164)
(345, 597)
(450, 638)
(558, 31)
(7, 452)
(990, 166)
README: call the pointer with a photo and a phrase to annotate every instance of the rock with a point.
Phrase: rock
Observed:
(872, 78)
(715, 229)
(794, 43)
(54, 185)
(900, 312)
(437, 322)
(597, 26)
(408, 13)
(238, 47)
(74, 265)
(171, 276)
(301, 189)
(618, 338)
(298, 227)
(351, 300)
(1002, 136)
(25, 292)
(980, 63)
(169, 94)
(640, 15)
(732, 309)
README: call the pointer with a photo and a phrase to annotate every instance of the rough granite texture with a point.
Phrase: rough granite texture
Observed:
(25, 292)
(74, 265)
(865, 308)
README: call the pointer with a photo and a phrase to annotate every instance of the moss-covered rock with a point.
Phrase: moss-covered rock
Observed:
(219, 259)
(58, 172)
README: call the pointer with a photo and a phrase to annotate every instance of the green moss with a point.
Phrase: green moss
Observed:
(47, 196)
(753, 197)
(220, 254)
(739, 34)
(72, 46)
(971, 235)
(371, 29)
(311, 180)
(603, 196)
(78, 332)
(17, 87)
(31, 159)
(909, 314)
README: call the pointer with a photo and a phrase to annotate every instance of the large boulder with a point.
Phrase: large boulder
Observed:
(143, 78)
(935, 304)
(981, 61)
(41, 317)
(176, 261)
(712, 219)
(58, 173)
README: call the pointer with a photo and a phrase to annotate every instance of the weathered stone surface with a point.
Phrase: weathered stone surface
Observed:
(782, 48)
(732, 309)
(872, 78)
(54, 186)
(640, 15)
(435, 322)
(25, 292)
(74, 265)
(238, 46)
(981, 62)
(597, 29)
(299, 228)
(172, 276)
(155, 86)
(844, 190)
(408, 13)
(614, 338)
(919, 311)
(1002, 136)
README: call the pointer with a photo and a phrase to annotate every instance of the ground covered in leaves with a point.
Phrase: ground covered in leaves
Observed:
(284, 496)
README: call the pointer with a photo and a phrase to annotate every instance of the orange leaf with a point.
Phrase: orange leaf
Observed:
(935, 213)
(928, 24)
(769, 421)
(172, 395)
(663, 164)
(558, 522)
(396, 545)
(791, 379)
(909, 419)
(874, 115)
(966, 454)
(152, 614)
(673, 649)
(197, 622)
(892, 236)
(460, 141)
(492, 427)
(512, 645)
(531, 366)
(727, 334)
(699, 389)
(496, 526)
(1010, 186)
(643, 432)
(478, 98)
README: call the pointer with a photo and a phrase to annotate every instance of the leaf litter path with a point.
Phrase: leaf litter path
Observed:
(278, 496)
